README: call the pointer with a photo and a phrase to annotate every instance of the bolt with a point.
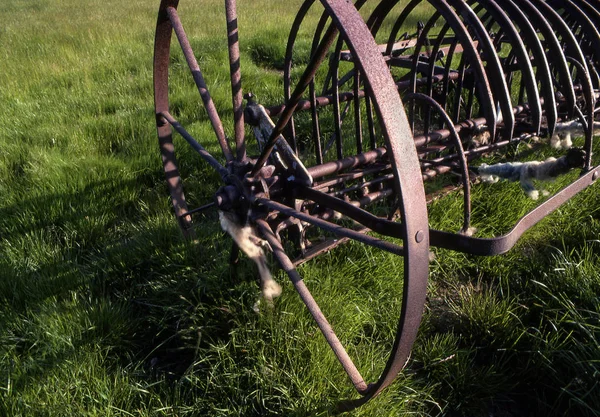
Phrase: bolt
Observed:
(160, 121)
(595, 175)
(420, 236)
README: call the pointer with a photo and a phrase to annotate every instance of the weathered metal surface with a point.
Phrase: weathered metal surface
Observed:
(477, 77)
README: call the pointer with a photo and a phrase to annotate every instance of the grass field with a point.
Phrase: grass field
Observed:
(105, 310)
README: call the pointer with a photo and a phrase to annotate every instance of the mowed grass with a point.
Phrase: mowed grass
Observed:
(105, 310)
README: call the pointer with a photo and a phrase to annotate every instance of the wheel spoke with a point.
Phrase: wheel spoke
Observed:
(236, 78)
(213, 115)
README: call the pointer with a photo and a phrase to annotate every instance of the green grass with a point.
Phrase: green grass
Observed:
(105, 310)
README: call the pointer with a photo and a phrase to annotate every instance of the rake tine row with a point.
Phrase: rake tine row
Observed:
(472, 79)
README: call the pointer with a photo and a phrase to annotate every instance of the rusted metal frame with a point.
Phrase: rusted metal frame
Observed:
(352, 175)
(328, 168)
(408, 182)
(331, 227)
(327, 213)
(361, 186)
(502, 244)
(313, 308)
(398, 47)
(344, 79)
(528, 81)
(459, 150)
(574, 25)
(555, 55)
(470, 101)
(370, 198)
(472, 153)
(384, 11)
(589, 33)
(287, 67)
(305, 79)
(379, 154)
(375, 24)
(333, 77)
(162, 51)
(211, 160)
(237, 97)
(317, 249)
(511, 61)
(532, 41)
(209, 105)
(493, 67)
(374, 223)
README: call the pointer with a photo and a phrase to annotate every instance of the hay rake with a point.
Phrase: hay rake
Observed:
(365, 125)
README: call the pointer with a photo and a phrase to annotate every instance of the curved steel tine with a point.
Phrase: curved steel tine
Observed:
(572, 46)
(416, 67)
(583, 21)
(397, 24)
(287, 66)
(335, 88)
(523, 61)
(446, 84)
(543, 74)
(459, 149)
(461, 33)
(474, 59)
(493, 67)
(593, 12)
(556, 56)
(590, 102)
(379, 13)
(432, 67)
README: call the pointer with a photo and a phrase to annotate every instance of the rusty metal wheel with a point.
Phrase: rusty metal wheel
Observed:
(295, 191)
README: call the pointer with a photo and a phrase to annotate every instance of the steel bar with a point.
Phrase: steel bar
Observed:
(195, 145)
(211, 110)
(502, 244)
(313, 308)
(236, 77)
(332, 227)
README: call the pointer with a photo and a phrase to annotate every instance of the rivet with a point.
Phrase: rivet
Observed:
(420, 236)
(595, 176)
